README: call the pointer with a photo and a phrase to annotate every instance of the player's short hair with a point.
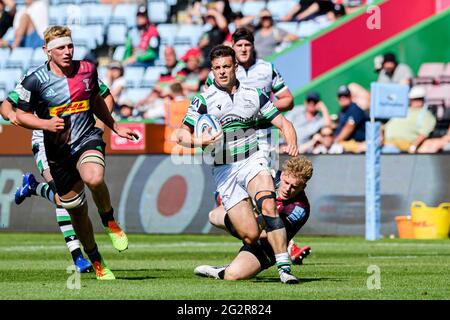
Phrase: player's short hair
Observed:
(243, 34)
(55, 32)
(300, 167)
(222, 51)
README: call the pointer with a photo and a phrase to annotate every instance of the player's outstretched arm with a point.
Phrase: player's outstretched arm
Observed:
(288, 131)
(103, 114)
(109, 101)
(285, 100)
(30, 121)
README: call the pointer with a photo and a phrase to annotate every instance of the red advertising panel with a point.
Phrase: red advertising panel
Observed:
(118, 143)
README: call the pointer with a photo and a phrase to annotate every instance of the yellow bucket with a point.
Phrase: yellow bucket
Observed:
(430, 222)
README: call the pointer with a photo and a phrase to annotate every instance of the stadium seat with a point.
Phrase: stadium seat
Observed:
(4, 54)
(445, 76)
(74, 15)
(167, 32)
(124, 13)
(97, 13)
(102, 72)
(83, 36)
(80, 52)
(116, 35)
(137, 94)
(189, 34)
(288, 26)
(57, 14)
(181, 49)
(9, 78)
(280, 8)
(429, 73)
(133, 76)
(236, 6)
(19, 58)
(118, 53)
(98, 32)
(252, 8)
(3, 95)
(438, 95)
(38, 57)
(151, 76)
(158, 11)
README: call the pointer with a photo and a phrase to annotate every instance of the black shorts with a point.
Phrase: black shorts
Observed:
(263, 251)
(64, 169)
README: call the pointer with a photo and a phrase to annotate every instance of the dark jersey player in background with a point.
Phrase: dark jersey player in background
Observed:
(61, 98)
(47, 189)
(293, 208)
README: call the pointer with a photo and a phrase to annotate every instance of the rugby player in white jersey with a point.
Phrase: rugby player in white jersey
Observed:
(240, 169)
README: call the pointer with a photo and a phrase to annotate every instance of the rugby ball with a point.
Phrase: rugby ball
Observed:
(204, 122)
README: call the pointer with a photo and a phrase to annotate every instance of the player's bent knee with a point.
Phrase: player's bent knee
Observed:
(93, 181)
(273, 223)
(250, 237)
(73, 203)
(265, 201)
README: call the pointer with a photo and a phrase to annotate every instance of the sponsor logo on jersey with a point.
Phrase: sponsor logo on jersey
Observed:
(71, 108)
(50, 93)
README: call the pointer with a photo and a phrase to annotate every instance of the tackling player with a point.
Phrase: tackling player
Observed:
(240, 169)
(293, 208)
(61, 98)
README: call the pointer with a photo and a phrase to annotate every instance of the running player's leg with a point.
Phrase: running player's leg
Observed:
(91, 166)
(74, 201)
(243, 220)
(262, 189)
(217, 217)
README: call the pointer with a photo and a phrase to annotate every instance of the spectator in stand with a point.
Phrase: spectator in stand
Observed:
(162, 87)
(351, 130)
(200, 7)
(394, 72)
(389, 71)
(7, 13)
(189, 76)
(125, 112)
(142, 45)
(30, 24)
(323, 143)
(435, 145)
(115, 80)
(308, 9)
(408, 134)
(268, 37)
(308, 119)
(337, 12)
(215, 35)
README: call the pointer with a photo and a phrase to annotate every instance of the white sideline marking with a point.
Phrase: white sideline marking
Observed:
(132, 246)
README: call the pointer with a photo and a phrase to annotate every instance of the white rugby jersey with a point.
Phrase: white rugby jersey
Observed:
(237, 114)
(262, 75)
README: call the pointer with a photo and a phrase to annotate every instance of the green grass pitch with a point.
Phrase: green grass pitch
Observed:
(33, 266)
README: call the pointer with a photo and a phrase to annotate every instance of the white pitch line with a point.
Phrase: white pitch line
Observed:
(132, 246)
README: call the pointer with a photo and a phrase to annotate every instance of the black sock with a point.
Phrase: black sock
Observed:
(106, 217)
(221, 274)
(76, 253)
(94, 255)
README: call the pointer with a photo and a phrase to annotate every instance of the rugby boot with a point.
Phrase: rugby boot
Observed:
(27, 189)
(118, 237)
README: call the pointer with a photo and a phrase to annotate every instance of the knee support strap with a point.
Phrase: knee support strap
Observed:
(273, 223)
(93, 158)
(75, 202)
(259, 201)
